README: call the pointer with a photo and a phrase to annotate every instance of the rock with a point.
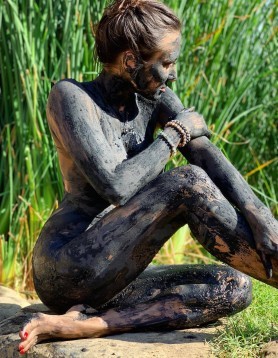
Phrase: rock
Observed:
(189, 343)
(270, 350)
(10, 302)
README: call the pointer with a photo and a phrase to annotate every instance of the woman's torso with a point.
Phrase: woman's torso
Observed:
(127, 134)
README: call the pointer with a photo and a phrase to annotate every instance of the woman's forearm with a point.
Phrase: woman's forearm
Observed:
(206, 155)
(202, 152)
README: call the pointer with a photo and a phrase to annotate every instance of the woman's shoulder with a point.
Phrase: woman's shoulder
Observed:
(69, 87)
(70, 99)
(68, 93)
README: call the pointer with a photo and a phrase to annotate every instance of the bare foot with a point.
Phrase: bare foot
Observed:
(73, 324)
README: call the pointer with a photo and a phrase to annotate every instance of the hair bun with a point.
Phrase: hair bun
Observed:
(136, 25)
(128, 4)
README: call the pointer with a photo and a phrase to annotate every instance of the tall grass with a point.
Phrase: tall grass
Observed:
(41, 42)
(226, 69)
(246, 333)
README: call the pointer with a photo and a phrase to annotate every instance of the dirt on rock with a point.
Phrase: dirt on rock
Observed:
(270, 350)
(15, 311)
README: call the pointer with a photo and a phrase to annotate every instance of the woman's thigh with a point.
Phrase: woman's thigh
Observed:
(93, 263)
(205, 286)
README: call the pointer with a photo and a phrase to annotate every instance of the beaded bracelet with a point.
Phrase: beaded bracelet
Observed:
(186, 131)
(182, 131)
(169, 143)
(179, 130)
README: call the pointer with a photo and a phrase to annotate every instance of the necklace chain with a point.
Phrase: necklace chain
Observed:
(131, 138)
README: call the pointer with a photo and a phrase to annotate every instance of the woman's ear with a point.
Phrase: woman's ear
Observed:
(129, 61)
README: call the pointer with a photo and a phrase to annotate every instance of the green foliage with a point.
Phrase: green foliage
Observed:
(226, 69)
(40, 43)
(246, 332)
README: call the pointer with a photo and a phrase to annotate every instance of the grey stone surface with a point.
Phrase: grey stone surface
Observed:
(185, 343)
(10, 302)
(189, 343)
(131, 345)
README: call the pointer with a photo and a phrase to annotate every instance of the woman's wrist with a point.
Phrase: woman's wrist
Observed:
(171, 138)
(173, 135)
(182, 131)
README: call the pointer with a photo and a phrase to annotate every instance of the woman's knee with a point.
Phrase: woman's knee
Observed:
(238, 290)
(185, 177)
(190, 171)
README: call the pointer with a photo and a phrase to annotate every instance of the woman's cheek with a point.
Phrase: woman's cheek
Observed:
(142, 79)
(159, 74)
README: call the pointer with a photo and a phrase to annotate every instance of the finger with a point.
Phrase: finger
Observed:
(185, 110)
(266, 261)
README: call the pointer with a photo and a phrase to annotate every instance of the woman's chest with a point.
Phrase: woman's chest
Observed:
(131, 131)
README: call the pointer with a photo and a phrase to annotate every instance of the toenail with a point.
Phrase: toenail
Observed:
(25, 335)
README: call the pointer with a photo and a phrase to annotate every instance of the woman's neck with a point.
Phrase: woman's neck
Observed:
(118, 91)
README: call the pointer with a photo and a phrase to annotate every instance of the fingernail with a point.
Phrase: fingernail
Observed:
(25, 335)
(20, 347)
(21, 351)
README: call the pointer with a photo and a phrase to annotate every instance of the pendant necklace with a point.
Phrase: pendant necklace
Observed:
(130, 138)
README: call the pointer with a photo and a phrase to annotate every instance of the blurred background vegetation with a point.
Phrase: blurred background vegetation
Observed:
(227, 70)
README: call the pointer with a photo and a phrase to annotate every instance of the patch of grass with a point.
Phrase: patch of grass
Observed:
(247, 331)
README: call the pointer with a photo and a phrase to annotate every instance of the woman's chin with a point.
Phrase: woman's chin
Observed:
(153, 95)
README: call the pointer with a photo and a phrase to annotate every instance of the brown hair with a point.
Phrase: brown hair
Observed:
(133, 24)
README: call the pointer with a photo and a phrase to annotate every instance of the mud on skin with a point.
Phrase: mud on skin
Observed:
(145, 221)
(98, 264)
(119, 208)
(94, 257)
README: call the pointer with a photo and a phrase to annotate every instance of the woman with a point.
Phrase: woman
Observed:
(119, 207)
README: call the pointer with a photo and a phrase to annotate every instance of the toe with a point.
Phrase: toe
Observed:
(23, 348)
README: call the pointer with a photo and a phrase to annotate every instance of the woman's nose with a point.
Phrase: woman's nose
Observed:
(172, 76)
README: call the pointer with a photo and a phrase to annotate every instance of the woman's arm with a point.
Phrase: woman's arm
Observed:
(202, 152)
(74, 120)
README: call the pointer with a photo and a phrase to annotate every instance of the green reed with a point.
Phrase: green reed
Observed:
(226, 70)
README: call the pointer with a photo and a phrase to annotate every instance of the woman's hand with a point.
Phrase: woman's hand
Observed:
(265, 232)
(194, 122)
(171, 108)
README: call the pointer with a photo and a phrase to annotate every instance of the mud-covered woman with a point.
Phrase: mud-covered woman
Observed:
(91, 261)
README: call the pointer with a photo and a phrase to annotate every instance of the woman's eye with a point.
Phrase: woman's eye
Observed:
(167, 64)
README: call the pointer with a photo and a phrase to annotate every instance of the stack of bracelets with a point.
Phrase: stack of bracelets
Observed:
(182, 131)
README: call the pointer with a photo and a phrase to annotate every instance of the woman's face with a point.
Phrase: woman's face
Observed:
(150, 77)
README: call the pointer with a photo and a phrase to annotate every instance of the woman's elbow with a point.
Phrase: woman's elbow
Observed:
(117, 190)
(116, 196)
